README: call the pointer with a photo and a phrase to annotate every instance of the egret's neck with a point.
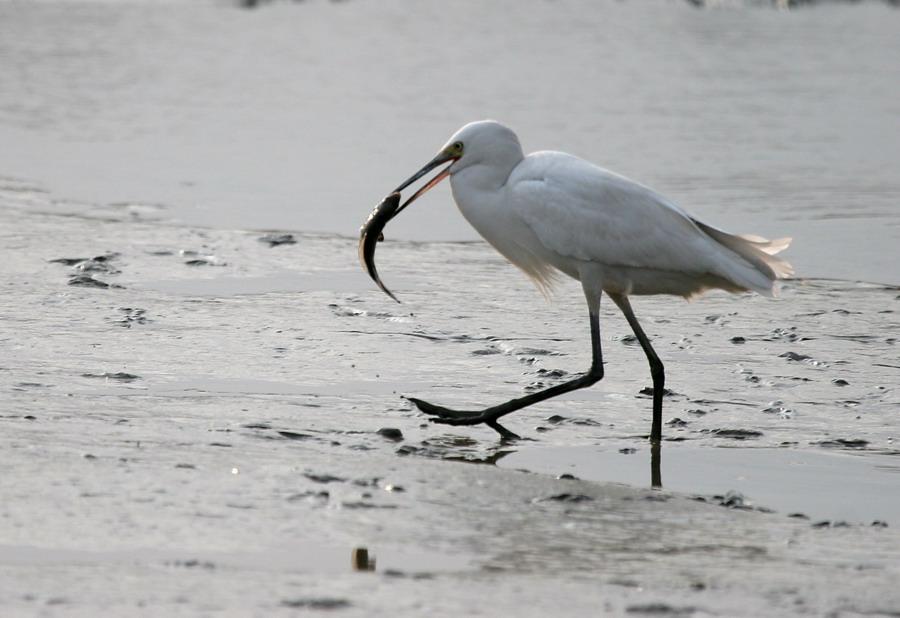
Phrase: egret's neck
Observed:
(480, 177)
(488, 172)
(479, 191)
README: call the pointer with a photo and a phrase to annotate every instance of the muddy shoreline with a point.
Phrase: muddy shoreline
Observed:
(205, 438)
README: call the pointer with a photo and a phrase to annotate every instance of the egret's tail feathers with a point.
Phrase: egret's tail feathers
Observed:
(767, 246)
(759, 254)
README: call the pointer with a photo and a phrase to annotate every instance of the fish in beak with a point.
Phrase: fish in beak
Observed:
(371, 231)
(370, 234)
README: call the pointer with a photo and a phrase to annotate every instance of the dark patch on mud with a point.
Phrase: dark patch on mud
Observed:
(313, 498)
(86, 268)
(205, 261)
(120, 376)
(276, 240)
(131, 316)
(89, 281)
(648, 392)
(733, 500)
(660, 609)
(734, 434)
(323, 478)
(565, 497)
(293, 435)
(88, 263)
(316, 603)
(851, 443)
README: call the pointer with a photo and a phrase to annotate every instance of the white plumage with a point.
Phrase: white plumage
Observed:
(551, 210)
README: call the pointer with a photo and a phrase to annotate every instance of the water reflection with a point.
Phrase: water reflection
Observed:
(845, 486)
(656, 465)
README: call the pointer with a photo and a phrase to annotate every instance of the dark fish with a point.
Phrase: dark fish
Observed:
(370, 234)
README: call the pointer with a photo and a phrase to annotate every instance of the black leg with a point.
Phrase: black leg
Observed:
(489, 416)
(657, 372)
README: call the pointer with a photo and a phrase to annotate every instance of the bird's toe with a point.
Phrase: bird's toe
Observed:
(446, 415)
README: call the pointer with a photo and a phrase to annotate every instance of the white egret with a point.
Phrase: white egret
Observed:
(551, 213)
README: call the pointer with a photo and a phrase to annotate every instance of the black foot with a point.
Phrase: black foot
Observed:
(447, 416)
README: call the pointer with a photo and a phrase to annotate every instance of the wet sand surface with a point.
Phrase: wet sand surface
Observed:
(211, 422)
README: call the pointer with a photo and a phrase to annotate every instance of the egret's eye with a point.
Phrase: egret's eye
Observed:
(458, 146)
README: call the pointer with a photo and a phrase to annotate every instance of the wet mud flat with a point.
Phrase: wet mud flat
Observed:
(211, 422)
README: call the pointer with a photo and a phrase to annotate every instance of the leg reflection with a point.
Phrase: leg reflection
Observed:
(655, 465)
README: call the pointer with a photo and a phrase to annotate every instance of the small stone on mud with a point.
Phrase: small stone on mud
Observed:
(648, 391)
(794, 356)
(391, 433)
(274, 240)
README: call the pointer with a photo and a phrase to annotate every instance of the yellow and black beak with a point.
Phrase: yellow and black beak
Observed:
(440, 159)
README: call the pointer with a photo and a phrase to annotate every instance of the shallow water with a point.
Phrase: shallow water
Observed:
(829, 488)
(191, 413)
(301, 116)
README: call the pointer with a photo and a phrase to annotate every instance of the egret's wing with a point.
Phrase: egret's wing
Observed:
(584, 212)
(587, 213)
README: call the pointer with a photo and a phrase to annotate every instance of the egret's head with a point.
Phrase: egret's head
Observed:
(477, 142)
(485, 141)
